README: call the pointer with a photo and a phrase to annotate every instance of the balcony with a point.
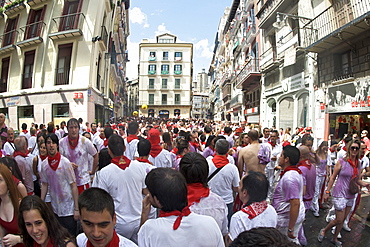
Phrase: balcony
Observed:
(104, 39)
(13, 8)
(249, 75)
(177, 72)
(291, 39)
(269, 59)
(164, 72)
(267, 12)
(178, 59)
(62, 76)
(151, 59)
(250, 33)
(32, 3)
(343, 74)
(7, 41)
(168, 103)
(151, 72)
(67, 26)
(236, 100)
(31, 33)
(339, 23)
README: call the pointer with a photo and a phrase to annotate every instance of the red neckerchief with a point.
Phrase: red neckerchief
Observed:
(25, 131)
(16, 153)
(121, 161)
(184, 212)
(290, 168)
(272, 145)
(54, 161)
(220, 161)
(361, 157)
(255, 209)
(105, 143)
(174, 150)
(203, 143)
(196, 191)
(179, 156)
(144, 160)
(73, 143)
(9, 141)
(42, 157)
(305, 163)
(113, 243)
(354, 166)
(1, 153)
(212, 148)
(101, 137)
(132, 137)
(50, 244)
(93, 132)
(344, 148)
(194, 144)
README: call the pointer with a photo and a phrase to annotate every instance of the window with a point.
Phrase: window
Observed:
(60, 110)
(165, 69)
(34, 23)
(177, 99)
(152, 56)
(64, 64)
(29, 59)
(25, 111)
(4, 74)
(178, 69)
(177, 83)
(164, 99)
(165, 41)
(178, 56)
(164, 83)
(10, 31)
(151, 83)
(151, 99)
(165, 56)
(152, 69)
(70, 17)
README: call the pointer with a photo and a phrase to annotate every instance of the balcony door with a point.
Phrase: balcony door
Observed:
(70, 17)
(10, 31)
(34, 23)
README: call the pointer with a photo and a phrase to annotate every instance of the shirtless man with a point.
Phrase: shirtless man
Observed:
(248, 160)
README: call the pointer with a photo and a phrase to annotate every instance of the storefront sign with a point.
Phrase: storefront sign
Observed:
(13, 101)
(293, 83)
(350, 97)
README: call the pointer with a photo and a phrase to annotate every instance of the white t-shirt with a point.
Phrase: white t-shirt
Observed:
(9, 148)
(59, 182)
(163, 159)
(223, 182)
(27, 135)
(32, 143)
(364, 162)
(341, 154)
(240, 221)
(79, 156)
(131, 149)
(214, 206)
(275, 152)
(123, 242)
(194, 230)
(125, 186)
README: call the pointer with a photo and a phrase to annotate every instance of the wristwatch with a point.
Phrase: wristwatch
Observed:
(290, 230)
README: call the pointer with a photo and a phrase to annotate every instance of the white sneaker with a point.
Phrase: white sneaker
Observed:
(346, 228)
(316, 214)
(333, 232)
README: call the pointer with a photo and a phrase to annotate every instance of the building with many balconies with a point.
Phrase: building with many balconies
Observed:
(165, 77)
(59, 59)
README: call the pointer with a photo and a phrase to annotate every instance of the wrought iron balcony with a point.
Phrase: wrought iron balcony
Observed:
(31, 34)
(67, 26)
(250, 71)
(151, 72)
(7, 41)
(250, 33)
(236, 100)
(62, 76)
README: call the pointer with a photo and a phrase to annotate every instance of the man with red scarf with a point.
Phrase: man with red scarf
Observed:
(253, 189)
(194, 168)
(132, 140)
(57, 177)
(227, 179)
(77, 149)
(98, 220)
(24, 131)
(24, 162)
(124, 180)
(176, 224)
(276, 149)
(9, 147)
(288, 195)
(158, 156)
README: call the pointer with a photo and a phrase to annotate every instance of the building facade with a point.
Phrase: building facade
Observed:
(165, 77)
(62, 59)
(200, 92)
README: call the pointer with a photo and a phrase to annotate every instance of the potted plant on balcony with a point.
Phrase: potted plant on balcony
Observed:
(11, 5)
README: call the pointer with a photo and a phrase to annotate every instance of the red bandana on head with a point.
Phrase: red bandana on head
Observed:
(144, 161)
(121, 161)
(113, 243)
(220, 161)
(73, 142)
(132, 137)
(184, 212)
(54, 161)
(255, 209)
(307, 163)
(196, 191)
(153, 137)
(291, 168)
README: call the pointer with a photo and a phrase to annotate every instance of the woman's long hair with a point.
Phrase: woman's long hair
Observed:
(348, 147)
(14, 194)
(57, 233)
(13, 166)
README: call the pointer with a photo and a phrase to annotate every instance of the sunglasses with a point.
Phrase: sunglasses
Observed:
(355, 148)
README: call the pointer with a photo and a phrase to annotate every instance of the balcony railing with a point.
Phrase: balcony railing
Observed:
(268, 57)
(165, 59)
(343, 73)
(62, 76)
(250, 33)
(151, 72)
(177, 86)
(164, 102)
(67, 26)
(251, 67)
(33, 30)
(168, 102)
(3, 86)
(178, 72)
(333, 18)
(236, 100)
(8, 38)
(287, 41)
(164, 86)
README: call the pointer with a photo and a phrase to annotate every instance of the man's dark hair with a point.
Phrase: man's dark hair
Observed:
(253, 135)
(195, 168)
(73, 120)
(91, 125)
(306, 138)
(24, 126)
(293, 153)
(108, 132)
(202, 137)
(175, 130)
(276, 132)
(256, 185)
(263, 237)
(207, 129)
(132, 128)
(228, 130)
(80, 120)
(53, 137)
(116, 145)
(143, 147)
(169, 187)
(50, 128)
(348, 138)
(104, 159)
(96, 200)
(222, 147)
(181, 145)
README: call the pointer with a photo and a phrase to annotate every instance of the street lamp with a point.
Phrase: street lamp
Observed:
(282, 17)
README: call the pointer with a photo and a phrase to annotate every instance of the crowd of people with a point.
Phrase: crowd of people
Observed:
(155, 182)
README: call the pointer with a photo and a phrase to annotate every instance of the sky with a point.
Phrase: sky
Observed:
(192, 21)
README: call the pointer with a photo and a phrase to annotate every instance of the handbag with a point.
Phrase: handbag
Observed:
(354, 188)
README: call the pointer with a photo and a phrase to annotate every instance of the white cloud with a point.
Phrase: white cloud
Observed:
(161, 29)
(203, 49)
(137, 16)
